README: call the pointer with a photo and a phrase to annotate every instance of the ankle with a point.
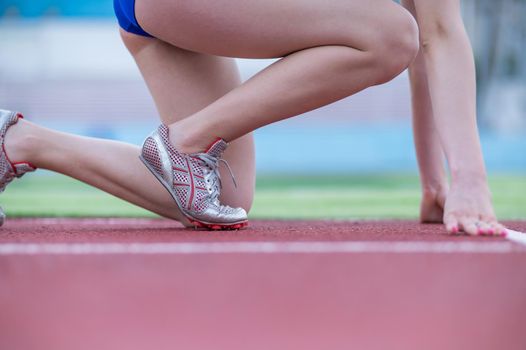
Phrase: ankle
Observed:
(188, 140)
(20, 143)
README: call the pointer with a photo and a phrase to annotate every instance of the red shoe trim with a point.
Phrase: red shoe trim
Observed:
(192, 189)
(179, 169)
(13, 164)
(212, 144)
(218, 227)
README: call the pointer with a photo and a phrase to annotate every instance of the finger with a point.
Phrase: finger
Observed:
(494, 228)
(451, 224)
(484, 228)
(500, 229)
(469, 226)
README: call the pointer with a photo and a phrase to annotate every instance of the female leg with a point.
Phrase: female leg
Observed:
(183, 82)
(193, 80)
(444, 112)
(330, 51)
(430, 154)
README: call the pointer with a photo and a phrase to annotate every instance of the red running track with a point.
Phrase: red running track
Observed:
(349, 300)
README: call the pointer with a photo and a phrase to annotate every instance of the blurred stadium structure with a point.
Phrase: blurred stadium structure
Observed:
(63, 65)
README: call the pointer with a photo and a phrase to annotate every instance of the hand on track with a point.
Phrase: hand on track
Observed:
(468, 208)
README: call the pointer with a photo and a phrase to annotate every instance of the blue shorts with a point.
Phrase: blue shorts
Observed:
(125, 12)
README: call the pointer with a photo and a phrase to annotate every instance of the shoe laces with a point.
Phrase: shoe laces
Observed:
(212, 164)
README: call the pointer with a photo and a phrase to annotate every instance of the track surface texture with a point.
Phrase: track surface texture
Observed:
(183, 294)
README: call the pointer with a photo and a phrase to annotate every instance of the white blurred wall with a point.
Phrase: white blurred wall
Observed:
(79, 68)
(76, 76)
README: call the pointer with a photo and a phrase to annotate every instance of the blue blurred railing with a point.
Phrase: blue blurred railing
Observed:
(66, 8)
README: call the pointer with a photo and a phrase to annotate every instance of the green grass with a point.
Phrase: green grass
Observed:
(339, 197)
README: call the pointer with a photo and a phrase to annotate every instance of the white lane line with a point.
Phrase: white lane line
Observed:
(516, 236)
(403, 247)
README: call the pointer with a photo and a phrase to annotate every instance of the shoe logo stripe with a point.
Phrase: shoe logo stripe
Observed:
(192, 185)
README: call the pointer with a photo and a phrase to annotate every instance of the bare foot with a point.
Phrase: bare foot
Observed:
(468, 208)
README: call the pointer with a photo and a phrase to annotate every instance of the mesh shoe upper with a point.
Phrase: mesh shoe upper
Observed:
(192, 179)
(9, 170)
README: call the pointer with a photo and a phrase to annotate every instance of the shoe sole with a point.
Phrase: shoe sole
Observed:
(193, 221)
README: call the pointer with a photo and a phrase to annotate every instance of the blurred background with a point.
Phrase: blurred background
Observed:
(63, 65)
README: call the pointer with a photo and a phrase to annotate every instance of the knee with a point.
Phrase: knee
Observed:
(398, 45)
(247, 201)
(242, 198)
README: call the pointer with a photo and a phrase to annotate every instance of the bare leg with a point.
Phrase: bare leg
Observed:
(428, 147)
(192, 80)
(429, 152)
(182, 83)
(111, 166)
(332, 51)
(450, 72)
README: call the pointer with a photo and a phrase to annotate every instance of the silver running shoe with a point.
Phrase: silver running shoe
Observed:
(193, 181)
(8, 169)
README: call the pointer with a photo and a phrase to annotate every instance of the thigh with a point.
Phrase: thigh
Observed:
(262, 29)
(183, 82)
